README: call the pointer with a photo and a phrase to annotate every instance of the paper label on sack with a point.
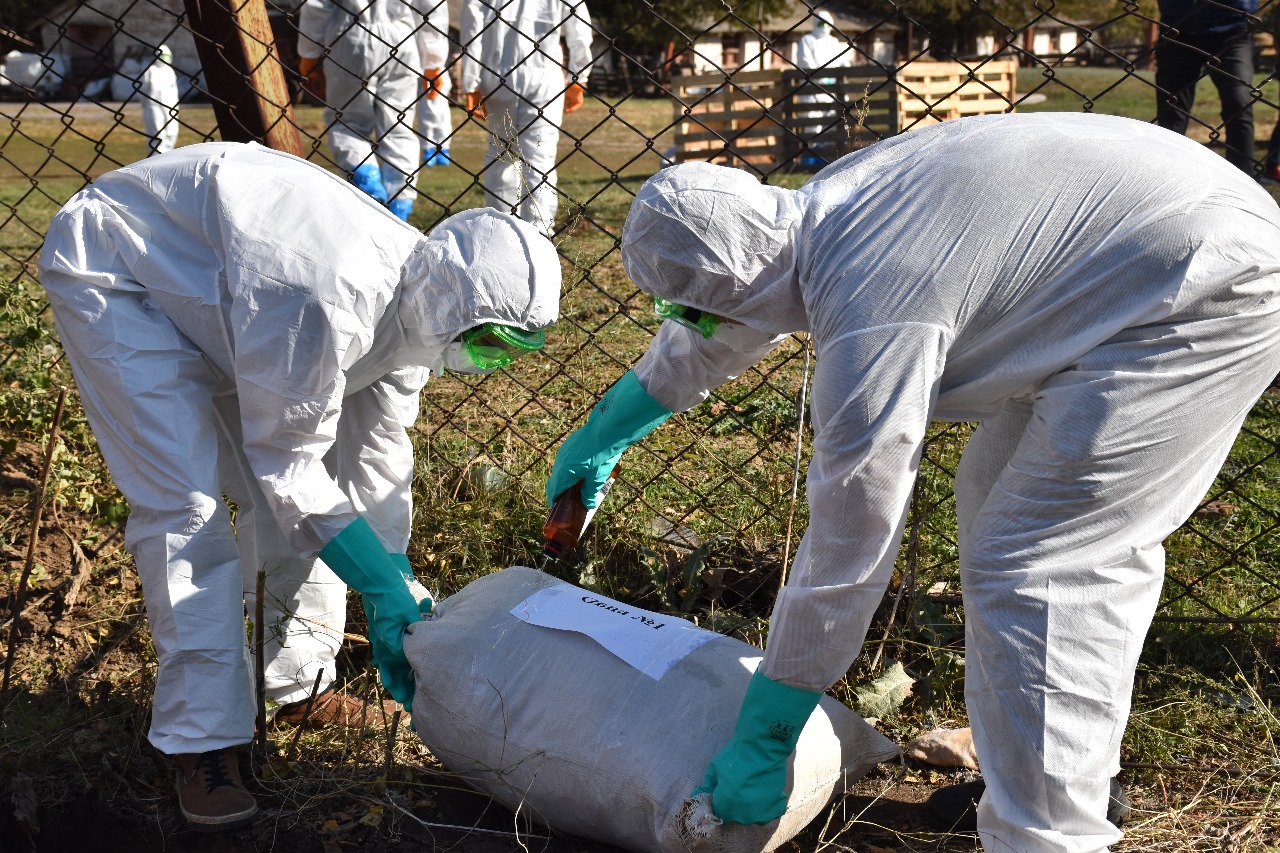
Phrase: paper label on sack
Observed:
(650, 642)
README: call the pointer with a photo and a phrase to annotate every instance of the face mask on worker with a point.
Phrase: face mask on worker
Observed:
(487, 347)
(732, 334)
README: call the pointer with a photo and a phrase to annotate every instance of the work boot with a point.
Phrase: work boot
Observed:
(335, 708)
(954, 808)
(210, 794)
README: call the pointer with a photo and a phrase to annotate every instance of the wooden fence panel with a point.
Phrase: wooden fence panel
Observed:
(780, 118)
(727, 119)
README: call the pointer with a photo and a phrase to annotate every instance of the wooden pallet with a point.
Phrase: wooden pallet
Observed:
(930, 92)
(768, 119)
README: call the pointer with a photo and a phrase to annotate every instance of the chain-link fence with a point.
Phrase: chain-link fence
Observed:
(389, 93)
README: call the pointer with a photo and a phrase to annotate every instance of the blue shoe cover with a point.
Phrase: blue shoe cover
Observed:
(402, 207)
(440, 157)
(369, 180)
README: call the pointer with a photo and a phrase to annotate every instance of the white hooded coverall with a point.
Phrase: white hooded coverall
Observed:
(241, 322)
(158, 92)
(373, 77)
(819, 48)
(1102, 295)
(512, 56)
(434, 124)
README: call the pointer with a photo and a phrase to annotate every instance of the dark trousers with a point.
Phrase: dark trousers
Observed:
(1273, 149)
(1182, 59)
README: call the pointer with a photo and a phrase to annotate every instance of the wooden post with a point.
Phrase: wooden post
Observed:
(243, 72)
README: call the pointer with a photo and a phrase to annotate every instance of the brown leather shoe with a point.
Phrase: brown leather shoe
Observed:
(210, 793)
(335, 708)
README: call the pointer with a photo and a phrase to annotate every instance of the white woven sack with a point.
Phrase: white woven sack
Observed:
(550, 723)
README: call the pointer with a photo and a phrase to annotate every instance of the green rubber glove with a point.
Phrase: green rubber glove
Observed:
(747, 779)
(358, 557)
(624, 415)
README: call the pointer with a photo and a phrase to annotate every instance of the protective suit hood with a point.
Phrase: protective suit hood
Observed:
(715, 238)
(476, 267)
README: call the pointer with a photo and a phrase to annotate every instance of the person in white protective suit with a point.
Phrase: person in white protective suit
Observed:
(242, 322)
(1110, 327)
(158, 92)
(515, 75)
(819, 49)
(434, 123)
(369, 78)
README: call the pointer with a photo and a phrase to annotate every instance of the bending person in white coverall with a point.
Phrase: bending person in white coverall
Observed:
(515, 75)
(242, 322)
(159, 95)
(434, 123)
(370, 79)
(1110, 334)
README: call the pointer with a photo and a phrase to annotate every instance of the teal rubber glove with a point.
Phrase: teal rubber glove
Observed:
(624, 415)
(747, 779)
(358, 557)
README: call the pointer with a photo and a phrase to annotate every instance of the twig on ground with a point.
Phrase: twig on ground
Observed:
(908, 580)
(391, 744)
(83, 570)
(306, 713)
(795, 472)
(1231, 771)
(259, 671)
(18, 600)
(431, 825)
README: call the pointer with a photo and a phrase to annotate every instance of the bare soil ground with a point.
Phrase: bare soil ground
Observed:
(76, 771)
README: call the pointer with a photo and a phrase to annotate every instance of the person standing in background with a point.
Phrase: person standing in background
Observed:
(434, 123)
(1271, 170)
(158, 87)
(818, 49)
(370, 81)
(514, 75)
(1212, 35)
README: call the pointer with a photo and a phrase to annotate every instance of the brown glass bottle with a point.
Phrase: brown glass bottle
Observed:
(568, 518)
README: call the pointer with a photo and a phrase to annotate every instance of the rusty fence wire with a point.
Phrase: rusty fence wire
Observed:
(385, 91)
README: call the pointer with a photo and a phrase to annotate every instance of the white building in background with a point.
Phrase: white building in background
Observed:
(731, 45)
(94, 40)
(1050, 41)
(1061, 41)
